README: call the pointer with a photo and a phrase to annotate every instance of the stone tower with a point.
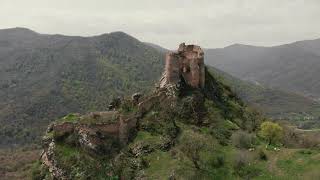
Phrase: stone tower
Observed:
(185, 64)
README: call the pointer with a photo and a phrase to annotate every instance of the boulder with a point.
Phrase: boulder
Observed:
(136, 97)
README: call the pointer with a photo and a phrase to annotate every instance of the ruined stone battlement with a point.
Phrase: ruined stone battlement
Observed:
(186, 64)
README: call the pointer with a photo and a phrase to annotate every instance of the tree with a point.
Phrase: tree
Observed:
(272, 132)
(191, 145)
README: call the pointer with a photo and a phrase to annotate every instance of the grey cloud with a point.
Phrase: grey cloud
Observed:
(210, 23)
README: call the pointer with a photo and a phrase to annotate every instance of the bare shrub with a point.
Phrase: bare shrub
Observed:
(243, 140)
(297, 138)
(191, 145)
(243, 167)
(242, 158)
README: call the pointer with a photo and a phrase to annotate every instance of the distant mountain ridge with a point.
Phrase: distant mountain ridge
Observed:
(290, 67)
(157, 47)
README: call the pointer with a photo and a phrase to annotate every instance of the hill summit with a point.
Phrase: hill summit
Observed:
(177, 131)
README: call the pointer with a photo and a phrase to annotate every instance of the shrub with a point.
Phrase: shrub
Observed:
(191, 145)
(262, 155)
(242, 165)
(221, 134)
(296, 138)
(311, 140)
(127, 106)
(243, 140)
(305, 152)
(241, 159)
(71, 117)
(38, 172)
(290, 137)
(219, 161)
(272, 132)
(191, 109)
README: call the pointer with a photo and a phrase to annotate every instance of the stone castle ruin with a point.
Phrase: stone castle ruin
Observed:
(186, 64)
(108, 132)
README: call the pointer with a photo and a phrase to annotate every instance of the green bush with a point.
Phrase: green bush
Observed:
(221, 134)
(71, 117)
(272, 132)
(127, 106)
(219, 161)
(39, 172)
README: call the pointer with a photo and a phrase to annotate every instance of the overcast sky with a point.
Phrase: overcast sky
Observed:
(209, 23)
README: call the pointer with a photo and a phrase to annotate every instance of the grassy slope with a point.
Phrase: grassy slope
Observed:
(296, 164)
(286, 163)
(16, 163)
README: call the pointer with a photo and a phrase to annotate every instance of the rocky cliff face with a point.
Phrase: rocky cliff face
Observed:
(98, 133)
(125, 142)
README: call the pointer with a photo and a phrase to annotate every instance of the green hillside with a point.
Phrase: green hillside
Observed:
(198, 134)
(274, 103)
(181, 135)
(44, 77)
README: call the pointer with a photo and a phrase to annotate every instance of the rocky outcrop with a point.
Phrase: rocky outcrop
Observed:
(48, 159)
(136, 97)
(92, 129)
(186, 64)
(97, 133)
(146, 104)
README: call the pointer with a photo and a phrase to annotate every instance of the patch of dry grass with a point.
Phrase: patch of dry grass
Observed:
(15, 164)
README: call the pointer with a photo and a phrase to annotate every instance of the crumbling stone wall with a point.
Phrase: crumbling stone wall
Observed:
(186, 63)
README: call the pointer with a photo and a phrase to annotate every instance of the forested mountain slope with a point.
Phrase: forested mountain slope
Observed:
(43, 77)
(275, 103)
(291, 67)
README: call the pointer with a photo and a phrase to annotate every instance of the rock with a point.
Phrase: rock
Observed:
(86, 140)
(49, 128)
(135, 97)
(127, 128)
(140, 148)
(62, 130)
(49, 161)
(149, 102)
(166, 144)
(115, 103)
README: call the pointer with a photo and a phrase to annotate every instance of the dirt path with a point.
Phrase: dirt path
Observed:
(275, 156)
